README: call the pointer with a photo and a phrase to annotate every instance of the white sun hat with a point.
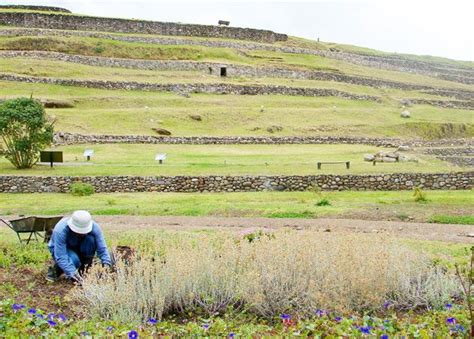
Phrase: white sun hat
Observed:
(80, 222)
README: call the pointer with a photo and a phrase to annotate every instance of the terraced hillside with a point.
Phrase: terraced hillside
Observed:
(252, 89)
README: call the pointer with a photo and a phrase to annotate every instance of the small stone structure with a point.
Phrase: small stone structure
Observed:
(90, 23)
(375, 182)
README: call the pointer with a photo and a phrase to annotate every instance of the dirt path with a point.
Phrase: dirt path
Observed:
(422, 231)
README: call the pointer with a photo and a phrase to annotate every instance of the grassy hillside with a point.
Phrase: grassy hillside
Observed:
(121, 112)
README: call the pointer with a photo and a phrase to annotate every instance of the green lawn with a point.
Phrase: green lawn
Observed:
(136, 112)
(379, 205)
(123, 159)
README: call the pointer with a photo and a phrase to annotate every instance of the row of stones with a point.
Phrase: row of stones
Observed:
(217, 88)
(455, 151)
(399, 181)
(89, 23)
(234, 70)
(458, 161)
(459, 74)
(66, 138)
(222, 88)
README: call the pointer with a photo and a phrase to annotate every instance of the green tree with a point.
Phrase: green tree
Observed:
(25, 131)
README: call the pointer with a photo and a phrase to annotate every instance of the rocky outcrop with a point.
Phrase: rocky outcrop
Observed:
(385, 182)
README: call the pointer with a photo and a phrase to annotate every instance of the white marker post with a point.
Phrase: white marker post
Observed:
(88, 153)
(160, 157)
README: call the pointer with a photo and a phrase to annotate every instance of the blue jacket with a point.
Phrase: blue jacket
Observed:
(63, 239)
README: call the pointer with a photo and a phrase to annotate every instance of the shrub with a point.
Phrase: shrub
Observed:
(81, 189)
(419, 195)
(295, 272)
(323, 202)
(25, 131)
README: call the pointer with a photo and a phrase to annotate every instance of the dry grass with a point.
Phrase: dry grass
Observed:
(295, 272)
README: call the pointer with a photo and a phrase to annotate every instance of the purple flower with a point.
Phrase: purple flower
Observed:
(384, 336)
(52, 323)
(448, 306)
(40, 316)
(231, 335)
(451, 320)
(17, 307)
(32, 311)
(62, 317)
(205, 326)
(152, 321)
(365, 329)
(133, 334)
(51, 316)
(338, 319)
(285, 316)
(458, 328)
(110, 328)
(320, 313)
(387, 304)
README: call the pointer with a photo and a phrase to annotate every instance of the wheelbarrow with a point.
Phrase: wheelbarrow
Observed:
(33, 227)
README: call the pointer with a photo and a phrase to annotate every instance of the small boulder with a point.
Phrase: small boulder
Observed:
(196, 117)
(369, 157)
(405, 114)
(387, 159)
(161, 131)
(403, 148)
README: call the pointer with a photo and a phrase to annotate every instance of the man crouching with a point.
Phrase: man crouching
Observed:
(73, 245)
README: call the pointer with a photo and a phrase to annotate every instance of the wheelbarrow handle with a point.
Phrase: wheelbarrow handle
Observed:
(6, 222)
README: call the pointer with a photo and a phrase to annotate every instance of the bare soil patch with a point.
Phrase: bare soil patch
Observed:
(410, 230)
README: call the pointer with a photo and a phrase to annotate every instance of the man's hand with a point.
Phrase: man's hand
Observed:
(76, 278)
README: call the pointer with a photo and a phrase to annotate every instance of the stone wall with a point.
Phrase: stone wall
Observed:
(398, 181)
(64, 138)
(234, 70)
(89, 23)
(36, 8)
(216, 88)
(457, 73)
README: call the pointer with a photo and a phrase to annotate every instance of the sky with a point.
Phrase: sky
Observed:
(425, 27)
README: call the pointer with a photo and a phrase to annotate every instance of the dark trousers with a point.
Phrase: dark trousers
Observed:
(82, 256)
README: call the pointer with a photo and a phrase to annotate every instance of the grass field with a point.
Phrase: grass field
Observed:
(123, 159)
(136, 112)
(376, 205)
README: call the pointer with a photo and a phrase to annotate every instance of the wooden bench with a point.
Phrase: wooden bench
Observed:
(348, 163)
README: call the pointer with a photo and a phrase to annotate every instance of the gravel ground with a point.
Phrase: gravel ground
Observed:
(412, 230)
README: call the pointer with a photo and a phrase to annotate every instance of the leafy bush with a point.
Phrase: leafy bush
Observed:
(295, 272)
(25, 131)
(81, 189)
(323, 202)
(419, 195)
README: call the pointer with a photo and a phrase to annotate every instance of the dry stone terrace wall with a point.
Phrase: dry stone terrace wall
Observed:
(458, 73)
(89, 23)
(235, 70)
(398, 181)
(36, 8)
(217, 88)
(65, 138)
(223, 88)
